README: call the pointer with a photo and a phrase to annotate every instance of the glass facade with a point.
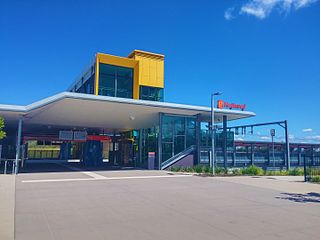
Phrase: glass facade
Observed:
(205, 134)
(149, 143)
(205, 137)
(87, 86)
(115, 81)
(151, 93)
(177, 134)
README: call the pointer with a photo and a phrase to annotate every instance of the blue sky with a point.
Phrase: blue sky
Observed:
(264, 53)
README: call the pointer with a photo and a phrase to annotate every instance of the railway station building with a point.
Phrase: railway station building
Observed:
(115, 114)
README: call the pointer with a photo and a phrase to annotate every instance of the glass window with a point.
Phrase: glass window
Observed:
(149, 138)
(151, 93)
(178, 133)
(124, 83)
(167, 129)
(179, 144)
(191, 137)
(166, 151)
(191, 123)
(86, 86)
(205, 134)
(107, 79)
(115, 81)
(179, 126)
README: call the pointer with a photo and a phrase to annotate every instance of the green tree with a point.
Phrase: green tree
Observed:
(2, 133)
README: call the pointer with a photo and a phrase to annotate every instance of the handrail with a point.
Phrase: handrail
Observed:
(177, 157)
(6, 160)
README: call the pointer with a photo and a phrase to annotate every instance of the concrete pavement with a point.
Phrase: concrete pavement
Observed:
(288, 184)
(7, 192)
(163, 207)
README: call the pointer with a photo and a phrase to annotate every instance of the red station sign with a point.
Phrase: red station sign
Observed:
(222, 104)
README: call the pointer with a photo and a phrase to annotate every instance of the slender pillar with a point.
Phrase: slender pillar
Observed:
(299, 156)
(287, 144)
(160, 141)
(252, 154)
(225, 153)
(305, 169)
(234, 155)
(283, 147)
(140, 146)
(198, 138)
(185, 133)
(18, 146)
(212, 156)
(268, 155)
(114, 149)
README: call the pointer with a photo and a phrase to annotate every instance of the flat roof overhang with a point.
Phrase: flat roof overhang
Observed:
(77, 110)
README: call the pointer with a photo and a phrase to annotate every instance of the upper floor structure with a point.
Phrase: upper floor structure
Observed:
(138, 76)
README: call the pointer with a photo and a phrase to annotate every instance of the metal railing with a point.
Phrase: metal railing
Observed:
(259, 158)
(7, 163)
(177, 157)
(311, 169)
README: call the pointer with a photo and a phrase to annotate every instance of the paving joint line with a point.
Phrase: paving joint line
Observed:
(104, 178)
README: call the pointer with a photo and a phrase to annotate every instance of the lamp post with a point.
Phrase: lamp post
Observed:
(273, 134)
(212, 159)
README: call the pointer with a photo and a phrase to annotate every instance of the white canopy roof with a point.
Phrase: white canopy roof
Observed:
(68, 110)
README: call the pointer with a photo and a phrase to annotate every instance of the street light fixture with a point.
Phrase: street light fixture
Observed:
(212, 159)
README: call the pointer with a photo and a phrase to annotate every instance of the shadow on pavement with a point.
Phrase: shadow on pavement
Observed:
(311, 197)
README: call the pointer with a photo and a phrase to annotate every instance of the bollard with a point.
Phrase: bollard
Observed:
(13, 167)
(5, 167)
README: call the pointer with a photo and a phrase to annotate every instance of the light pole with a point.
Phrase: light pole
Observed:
(273, 133)
(212, 159)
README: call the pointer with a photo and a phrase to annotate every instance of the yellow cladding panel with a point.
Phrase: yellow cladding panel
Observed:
(122, 62)
(151, 68)
(117, 61)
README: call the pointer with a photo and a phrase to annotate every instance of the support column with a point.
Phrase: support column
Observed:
(115, 160)
(252, 154)
(160, 141)
(284, 147)
(268, 156)
(299, 156)
(198, 138)
(287, 144)
(140, 146)
(185, 133)
(18, 147)
(225, 154)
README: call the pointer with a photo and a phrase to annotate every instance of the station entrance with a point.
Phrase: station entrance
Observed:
(116, 150)
(96, 131)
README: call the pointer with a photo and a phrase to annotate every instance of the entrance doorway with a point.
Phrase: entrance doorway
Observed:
(119, 150)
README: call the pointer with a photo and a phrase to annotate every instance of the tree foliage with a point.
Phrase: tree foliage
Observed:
(2, 133)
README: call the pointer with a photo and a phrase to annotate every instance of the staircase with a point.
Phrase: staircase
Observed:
(176, 158)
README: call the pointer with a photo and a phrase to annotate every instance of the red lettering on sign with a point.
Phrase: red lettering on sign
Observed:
(223, 104)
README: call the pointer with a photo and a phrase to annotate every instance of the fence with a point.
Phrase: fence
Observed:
(311, 169)
(259, 158)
